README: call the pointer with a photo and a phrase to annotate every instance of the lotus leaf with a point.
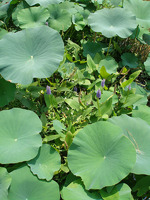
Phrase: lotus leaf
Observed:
(69, 6)
(92, 48)
(110, 65)
(115, 2)
(140, 9)
(22, 5)
(77, 20)
(32, 17)
(5, 181)
(112, 22)
(120, 192)
(45, 163)
(4, 6)
(44, 3)
(80, 19)
(19, 135)
(138, 131)
(140, 90)
(99, 154)
(142, 186)
(2, 32)
(76, 189)
(146, 38)
(31, 53)
(7, 92)
(129, 59)
(26, 186)
(142, 112)
(60, 19)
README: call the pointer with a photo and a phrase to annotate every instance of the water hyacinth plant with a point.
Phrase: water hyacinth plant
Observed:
(74, 100)
(48, 90)
(103, 83)
(98, 94)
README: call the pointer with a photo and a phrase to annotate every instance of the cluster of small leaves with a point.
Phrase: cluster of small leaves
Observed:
(74, 96)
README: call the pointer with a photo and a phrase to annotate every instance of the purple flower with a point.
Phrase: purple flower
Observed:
(103, 83)
(98, 94)
(46, 23)
(129, 87)
(48, 90)
(75, 89)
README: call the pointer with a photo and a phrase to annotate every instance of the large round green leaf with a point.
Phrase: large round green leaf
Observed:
(2, 33)
(26, 186)
(45, 163)
(31, 53)
(119, 192)
(22, 5)
(76, 189)
(43, 2)
(60, 19)
(92, 48)
(5, 181)
(7, 92)
(129, 59)
(140, 9)
(138, 131)
(112, 22)
(32, 17)
(19, 135)
(101, 155)
(142, 112)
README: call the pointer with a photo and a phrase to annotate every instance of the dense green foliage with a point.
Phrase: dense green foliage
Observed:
(74, 100)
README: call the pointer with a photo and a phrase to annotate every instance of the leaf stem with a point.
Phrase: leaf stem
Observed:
(49, 81)
(99, 111)
(109, 46)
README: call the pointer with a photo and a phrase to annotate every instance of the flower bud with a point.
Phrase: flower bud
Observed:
(48, 90)
(98, 94)
(103, 83)
(75, 89)
(129, 87)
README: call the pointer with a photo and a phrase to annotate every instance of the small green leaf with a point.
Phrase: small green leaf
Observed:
(58, 126)
(50, 100)
(132, 99)
(7, 92)
(91, 63)
(104, 73)
(135, 74)
(142, 186)
(129, 59)
(127, 82)
(69, 138)
(106, 107)
(73, 103)
(5, 181)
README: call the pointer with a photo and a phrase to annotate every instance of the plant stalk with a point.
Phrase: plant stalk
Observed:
(109, 46)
